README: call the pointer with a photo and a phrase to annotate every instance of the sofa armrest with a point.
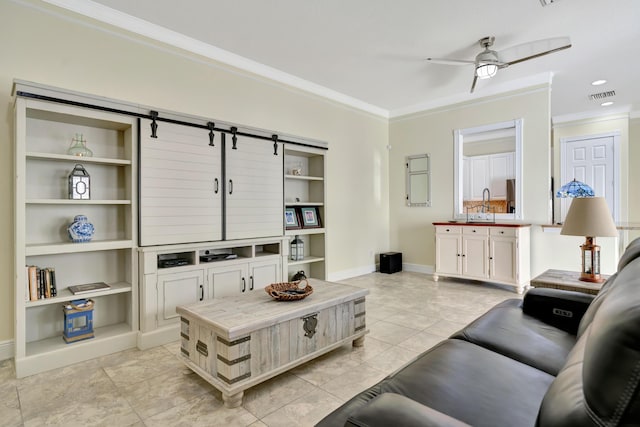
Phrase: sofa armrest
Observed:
(562, 309)
(391, 409)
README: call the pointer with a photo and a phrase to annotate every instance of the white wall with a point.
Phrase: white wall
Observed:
(431, 132)
(63, 51)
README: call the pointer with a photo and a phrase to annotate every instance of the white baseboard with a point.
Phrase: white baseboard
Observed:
(354, 272)
(418, 268)
(7, 350)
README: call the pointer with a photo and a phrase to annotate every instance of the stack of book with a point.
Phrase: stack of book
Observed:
(41, 283)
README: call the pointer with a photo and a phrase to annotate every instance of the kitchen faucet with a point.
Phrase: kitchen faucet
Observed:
(486, 205)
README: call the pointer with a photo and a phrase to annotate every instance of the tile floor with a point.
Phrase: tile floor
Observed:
(407, 313)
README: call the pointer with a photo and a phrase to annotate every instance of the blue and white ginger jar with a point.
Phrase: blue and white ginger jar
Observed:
(80, 230)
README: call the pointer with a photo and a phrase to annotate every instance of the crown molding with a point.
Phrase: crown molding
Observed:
(605, 114)
(152, 31)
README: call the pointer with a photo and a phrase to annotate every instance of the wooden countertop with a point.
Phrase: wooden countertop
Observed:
(483, 224)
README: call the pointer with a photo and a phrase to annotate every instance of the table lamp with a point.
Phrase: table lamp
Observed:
(590, 217)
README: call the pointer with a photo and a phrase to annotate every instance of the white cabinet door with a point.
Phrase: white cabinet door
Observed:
(501, 169)
(503, 258)
(479, 173)
(448, 253)
(475, 256)
(264, 273)
(178, 289)
(254, 189)
(228, 280)
(180, 185)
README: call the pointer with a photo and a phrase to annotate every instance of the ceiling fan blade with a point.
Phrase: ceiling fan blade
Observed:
(531, 50)
(446, 61)
(475, 79)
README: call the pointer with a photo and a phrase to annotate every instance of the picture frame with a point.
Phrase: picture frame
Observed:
(310, 217)
(291, 219)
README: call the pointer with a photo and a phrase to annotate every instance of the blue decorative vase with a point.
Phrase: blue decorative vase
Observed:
(80, 230)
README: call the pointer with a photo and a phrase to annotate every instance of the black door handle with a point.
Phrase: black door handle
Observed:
(244, 285)
(216, 186)
(251, 283)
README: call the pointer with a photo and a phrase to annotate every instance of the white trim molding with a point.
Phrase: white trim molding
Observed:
(7, 350)
(348, 274)
(144, 28)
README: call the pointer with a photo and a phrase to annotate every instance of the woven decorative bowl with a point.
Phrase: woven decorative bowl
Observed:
(289, 291)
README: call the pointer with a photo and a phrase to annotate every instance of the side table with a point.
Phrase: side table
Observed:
(566, 280)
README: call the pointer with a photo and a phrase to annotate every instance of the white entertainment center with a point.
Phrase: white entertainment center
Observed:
(184, 210)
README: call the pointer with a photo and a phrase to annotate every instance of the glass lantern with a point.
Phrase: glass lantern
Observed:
(78, 147)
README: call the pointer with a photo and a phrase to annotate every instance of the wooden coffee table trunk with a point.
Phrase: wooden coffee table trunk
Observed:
(237, 342)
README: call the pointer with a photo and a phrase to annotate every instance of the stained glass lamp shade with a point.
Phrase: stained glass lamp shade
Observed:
(575, 189)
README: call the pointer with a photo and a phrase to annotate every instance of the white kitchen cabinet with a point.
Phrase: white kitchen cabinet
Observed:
(488, 171)
(495, 253)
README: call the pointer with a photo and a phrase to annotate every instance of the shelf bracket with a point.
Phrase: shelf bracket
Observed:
(275, 144)
(234, 138)
(211, 126)
(154, 125)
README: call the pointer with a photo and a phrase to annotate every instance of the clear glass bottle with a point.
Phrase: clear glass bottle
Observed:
(78, 147)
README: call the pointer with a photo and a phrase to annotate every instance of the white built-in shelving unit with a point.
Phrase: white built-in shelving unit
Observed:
(307, 190)
(43, 133)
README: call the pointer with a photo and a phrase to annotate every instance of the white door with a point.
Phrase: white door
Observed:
(503, 259)
(475, 257)
(592, 161)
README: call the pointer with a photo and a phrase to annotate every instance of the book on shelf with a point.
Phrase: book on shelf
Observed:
(41, 283)
(88, 287)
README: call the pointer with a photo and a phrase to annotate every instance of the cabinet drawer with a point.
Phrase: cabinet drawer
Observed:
(445, 229)
(503, 231)
(476, 231)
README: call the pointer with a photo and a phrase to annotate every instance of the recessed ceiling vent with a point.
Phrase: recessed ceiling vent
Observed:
(602, 95)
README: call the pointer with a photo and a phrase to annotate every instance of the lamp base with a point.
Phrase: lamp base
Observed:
(590, 261)
(592, 278)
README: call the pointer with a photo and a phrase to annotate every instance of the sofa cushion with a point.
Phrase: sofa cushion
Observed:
(391, 409)
(600, 383)
(505, 329)
(473, 384)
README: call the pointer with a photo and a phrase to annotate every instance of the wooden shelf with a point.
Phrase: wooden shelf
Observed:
(304, 231)
(306, 260)
(65, 295)
(57, 343)
(293, 204)
(76, 159)
(70, 247)
(76, 202)
(304, 178)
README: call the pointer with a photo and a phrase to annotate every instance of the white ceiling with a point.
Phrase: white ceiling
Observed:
(371, 53)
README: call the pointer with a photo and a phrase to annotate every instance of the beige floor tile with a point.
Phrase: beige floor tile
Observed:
(421, 342)
(390, 332)
(444, 328)
(204, 410)
(275, 393)
(156, 394)
(353, 382)
(327, 367)
(305, 411)
(392, 359)
(371, 348)
(10, 414)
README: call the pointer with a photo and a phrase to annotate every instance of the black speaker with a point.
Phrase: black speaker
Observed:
(390, 262)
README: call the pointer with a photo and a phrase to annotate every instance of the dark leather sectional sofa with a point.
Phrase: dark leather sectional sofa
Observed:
(554, 359)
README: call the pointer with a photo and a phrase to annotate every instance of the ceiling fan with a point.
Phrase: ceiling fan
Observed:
(488, 62)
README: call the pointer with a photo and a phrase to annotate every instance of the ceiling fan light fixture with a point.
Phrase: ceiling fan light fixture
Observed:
(486, 71)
